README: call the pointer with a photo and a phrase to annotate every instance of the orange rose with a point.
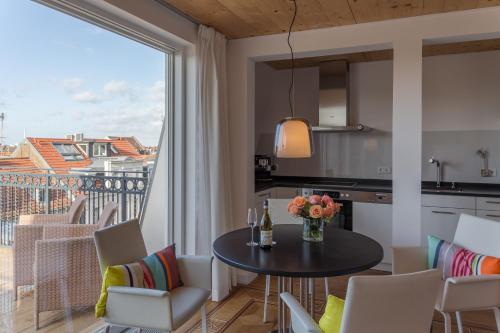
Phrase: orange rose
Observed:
(293, 210)
(299, 201)
(328, 212)
(316, 211)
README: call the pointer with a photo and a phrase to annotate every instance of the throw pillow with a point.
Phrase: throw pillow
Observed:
(156, 271)
(332, 317)
(455, 260)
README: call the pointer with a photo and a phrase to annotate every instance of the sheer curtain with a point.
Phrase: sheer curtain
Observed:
(213, 215)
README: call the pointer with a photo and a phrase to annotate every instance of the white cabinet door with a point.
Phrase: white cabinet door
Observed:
(489, 214)
(375, 221)
(441, 222)
(285, 192)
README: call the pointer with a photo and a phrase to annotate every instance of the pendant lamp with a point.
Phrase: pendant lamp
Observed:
(293, 137)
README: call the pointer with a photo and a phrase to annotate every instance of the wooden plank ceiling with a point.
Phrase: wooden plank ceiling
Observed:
(427, 51)
(246, 18)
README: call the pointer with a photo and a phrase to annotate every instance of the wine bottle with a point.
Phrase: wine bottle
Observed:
(266, 229)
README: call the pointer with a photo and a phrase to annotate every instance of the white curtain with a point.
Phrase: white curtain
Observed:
(213, 214)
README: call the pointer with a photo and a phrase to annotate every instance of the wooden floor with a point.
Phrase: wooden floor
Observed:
(241, 312)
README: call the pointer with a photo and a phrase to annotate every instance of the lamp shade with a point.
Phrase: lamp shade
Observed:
(293, 138)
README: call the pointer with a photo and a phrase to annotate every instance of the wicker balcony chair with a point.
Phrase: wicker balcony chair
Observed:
(26, 235)
(71, 217)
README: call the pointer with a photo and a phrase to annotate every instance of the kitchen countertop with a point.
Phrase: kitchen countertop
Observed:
(376, 185)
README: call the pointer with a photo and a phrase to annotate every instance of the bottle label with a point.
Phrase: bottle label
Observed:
(266, 237)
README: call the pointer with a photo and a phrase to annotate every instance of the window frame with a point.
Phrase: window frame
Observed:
(97, 147)
(180, 67)
(66, 155)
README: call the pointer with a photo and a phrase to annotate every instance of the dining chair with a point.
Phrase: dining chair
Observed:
(151, 309)
(389, 304)
(278, 209)
(467, 293)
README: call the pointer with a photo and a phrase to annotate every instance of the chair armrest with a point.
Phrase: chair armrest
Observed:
(301, 320)
(196, 271)
(138, 291)
(44, 219)
(470, 293)
(474, 279)
(69, 230)
(409, 259)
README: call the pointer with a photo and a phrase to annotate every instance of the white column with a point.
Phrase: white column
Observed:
(407, 142)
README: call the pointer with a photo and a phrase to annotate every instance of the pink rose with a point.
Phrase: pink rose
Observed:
(335, 206)
(325, 200)
(299, 201)
(293, 210)
(328, 212)
(316, 211)
(315, 199)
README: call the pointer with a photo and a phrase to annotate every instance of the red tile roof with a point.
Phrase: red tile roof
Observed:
(18, 164)
(53, 158)
(125, 148)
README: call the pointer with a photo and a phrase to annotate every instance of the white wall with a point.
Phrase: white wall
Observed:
(461, 113)
(406, 37)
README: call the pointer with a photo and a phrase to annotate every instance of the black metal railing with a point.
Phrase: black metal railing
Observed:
(49, 193)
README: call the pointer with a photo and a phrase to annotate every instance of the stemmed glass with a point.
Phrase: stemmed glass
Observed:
(252, 222)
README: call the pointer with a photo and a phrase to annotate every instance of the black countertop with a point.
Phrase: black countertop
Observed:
(376, 185)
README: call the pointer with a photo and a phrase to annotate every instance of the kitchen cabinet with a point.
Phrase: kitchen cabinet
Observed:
(489, 214)
(441, 222)
(488, 203)
(375, 221)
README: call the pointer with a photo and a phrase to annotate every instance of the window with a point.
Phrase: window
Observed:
(84, 147)
(100, 149)
(68, 151)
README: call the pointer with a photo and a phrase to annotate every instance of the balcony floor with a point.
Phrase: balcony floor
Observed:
(242, 311)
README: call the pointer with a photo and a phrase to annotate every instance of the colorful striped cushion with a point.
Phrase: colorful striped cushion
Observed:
(156, 271)
(458, 261)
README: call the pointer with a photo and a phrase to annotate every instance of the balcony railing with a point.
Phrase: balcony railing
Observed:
(46, 193)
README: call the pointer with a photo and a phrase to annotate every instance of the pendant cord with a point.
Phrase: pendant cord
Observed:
(292, 82)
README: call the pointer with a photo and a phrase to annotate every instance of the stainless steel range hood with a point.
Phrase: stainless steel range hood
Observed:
(334, 99)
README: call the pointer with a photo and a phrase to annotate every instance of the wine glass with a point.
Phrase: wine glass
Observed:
(252, 222)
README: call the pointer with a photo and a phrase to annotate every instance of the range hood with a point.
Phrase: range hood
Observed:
(334, 99)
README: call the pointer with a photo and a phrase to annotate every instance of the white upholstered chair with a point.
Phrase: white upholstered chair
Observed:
(461, 293)
(389, 304)
(148, 308)
(278, 210)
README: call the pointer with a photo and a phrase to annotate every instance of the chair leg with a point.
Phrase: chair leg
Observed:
(327, 290)
(459, 322)
(447, 322)
(497, 318)
(266, 297)
(203, 311)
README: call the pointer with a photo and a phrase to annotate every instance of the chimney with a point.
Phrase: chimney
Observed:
(78, 137)
(69, 137)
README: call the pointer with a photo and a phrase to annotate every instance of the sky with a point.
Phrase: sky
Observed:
(60, 75)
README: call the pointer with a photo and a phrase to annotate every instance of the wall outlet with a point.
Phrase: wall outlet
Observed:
(384, 170)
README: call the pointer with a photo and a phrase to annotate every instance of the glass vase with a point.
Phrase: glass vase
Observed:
(312, 230)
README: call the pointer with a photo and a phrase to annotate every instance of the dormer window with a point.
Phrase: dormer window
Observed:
(100, 149)
(68, 151)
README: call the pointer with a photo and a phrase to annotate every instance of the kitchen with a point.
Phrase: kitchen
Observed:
(352, 157)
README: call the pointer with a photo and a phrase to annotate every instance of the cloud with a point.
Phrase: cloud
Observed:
(86, 97)
(72, 85)
(116, 87)
(157, 91)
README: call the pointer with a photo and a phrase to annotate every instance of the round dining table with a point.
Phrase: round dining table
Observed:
(341, 252)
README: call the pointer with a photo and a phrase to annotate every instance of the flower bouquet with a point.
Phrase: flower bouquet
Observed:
(315, 211)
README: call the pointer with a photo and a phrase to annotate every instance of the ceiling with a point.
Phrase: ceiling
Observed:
(246, 18)
(427, 51)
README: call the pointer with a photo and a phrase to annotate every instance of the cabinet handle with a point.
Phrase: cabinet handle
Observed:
(443, 212)
(263, 195)
(492, 215)
(493, 202)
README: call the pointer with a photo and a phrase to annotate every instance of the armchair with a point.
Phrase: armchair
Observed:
(147, 308)
(362, 310)
(461, 293)
(71, 217)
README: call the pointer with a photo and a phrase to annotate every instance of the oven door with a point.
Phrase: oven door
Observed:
(343, 219)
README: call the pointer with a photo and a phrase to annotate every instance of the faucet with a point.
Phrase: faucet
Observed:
(432, 160)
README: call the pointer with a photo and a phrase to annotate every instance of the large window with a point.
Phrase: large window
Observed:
(98, 99)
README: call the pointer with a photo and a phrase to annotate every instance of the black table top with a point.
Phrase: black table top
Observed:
(341, 252)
